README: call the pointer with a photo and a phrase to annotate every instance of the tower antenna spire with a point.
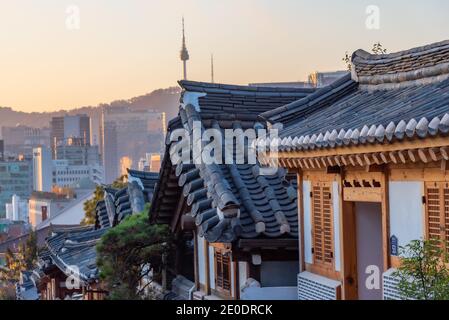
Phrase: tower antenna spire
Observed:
(184, 54)
(212, 68)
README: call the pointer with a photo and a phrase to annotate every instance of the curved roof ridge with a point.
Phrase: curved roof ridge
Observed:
(420, 65)
(199, 86)
(281, 114)
(398, 54)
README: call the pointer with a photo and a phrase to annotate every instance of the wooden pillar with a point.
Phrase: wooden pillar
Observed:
(236, 280)
(207, 267)
(348, 249)
(196, 262)
(385, 219)
(300, 181)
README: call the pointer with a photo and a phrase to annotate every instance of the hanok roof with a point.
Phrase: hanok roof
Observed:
(387, 98)
(26, 288)
(118, 203)
(70, 247)
(147, 180)
(228, 201)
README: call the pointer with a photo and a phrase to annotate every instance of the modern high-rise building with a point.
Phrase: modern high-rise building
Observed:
(66, 173)
(17, 210)
(77, 153)
(151, 162)
(42, 169)
(22, 139)
(15, 179)
(2, 150)
(70, 176)
(66, 127)
(131, 134)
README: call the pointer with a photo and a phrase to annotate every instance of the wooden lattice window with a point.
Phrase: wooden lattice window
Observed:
(222, 270)
(322, 224)
(437, 213)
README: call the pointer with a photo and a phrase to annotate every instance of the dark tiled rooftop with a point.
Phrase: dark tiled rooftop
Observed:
(228, 201)
(404, 105)
(73, 247)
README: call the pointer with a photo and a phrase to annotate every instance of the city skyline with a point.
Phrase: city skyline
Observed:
(121, 50)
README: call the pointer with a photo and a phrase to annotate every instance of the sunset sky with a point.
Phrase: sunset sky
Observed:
(125, 48)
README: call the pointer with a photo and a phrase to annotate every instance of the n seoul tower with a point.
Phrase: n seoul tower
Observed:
(184, 54)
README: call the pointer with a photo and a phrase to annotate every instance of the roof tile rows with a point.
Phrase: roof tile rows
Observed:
(351, 113)
(120, 203)
(228, 201)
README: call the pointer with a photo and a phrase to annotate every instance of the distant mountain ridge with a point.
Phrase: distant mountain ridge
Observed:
(163, 100)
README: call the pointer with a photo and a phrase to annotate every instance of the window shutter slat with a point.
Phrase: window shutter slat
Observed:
(446, 216)
(433, 208)
(322, 224)
(317, 224)
(223, 271)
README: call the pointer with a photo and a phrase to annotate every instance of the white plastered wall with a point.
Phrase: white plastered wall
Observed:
(406, 211)
(201, 261)
(306, 188)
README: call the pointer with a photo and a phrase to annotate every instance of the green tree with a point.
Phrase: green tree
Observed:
(89, 206)
(30, 251)
(125, 252)
(14, 264)
(24, 259)
(423, 274)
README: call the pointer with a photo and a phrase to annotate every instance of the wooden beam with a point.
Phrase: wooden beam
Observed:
(367, 159)
(267, 243)
(337, 161)
(351, 159)
(435, 154)
(323, 161)
(302, 262)
(236, 275)
(384, 157)
(445, 153)
(444, 165)
(306, 163)
(312, 165)
(393, 157)
(411, 155)
(401, 156)
(348, 251)
(207, 265)
(333, 170)
(196, 260)
(385, 220)
(363, 194)
(359, 160)
(376, 168)
(180, 210)
(377, 159)
(416, 143)
(423, 156)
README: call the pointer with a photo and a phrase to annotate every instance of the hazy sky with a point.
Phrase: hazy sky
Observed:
(126, 48)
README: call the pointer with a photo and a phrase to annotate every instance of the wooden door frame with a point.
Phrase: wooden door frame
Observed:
(348, 247)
